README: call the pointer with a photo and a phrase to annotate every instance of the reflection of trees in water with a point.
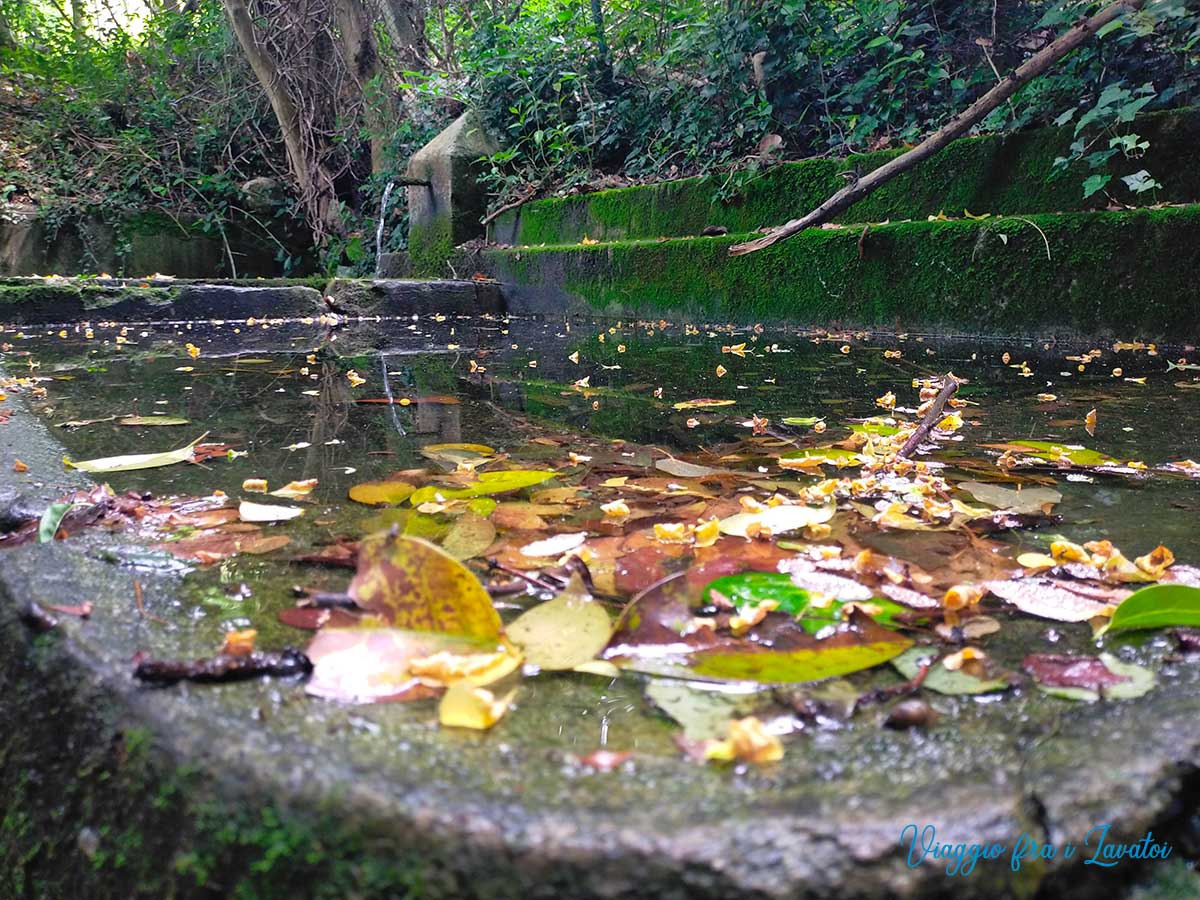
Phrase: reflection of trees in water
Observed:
(331, 416)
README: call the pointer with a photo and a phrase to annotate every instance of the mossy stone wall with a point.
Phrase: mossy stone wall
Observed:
(999, 174)
(1124, 273)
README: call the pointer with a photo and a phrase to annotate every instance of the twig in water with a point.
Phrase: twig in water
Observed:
(950, 384)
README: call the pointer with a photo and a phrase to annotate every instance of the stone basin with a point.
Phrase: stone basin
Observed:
(253, 790)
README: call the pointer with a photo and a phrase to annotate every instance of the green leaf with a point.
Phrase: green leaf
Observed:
(751, 588)
(942, 680)
(564, 632)
(137, 460)
(803, 421)
(488, 483)
(1157, 606)
(51, 519)
(1080, 456)
(1094, 184)
(825, 660)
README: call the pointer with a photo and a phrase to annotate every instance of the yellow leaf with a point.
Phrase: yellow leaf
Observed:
(417, 586)
(464, 706)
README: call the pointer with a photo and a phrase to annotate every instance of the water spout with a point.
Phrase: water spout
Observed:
(387, 195)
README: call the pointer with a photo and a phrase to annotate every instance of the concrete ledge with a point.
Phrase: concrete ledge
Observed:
(396, 297)
(992, 174)
(1120, 273)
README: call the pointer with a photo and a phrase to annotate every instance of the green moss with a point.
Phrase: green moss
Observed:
(999, 174)
(1126, 272)
(430, 245)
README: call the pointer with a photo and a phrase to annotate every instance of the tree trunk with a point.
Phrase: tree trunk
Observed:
(316, 184)
(976, 112)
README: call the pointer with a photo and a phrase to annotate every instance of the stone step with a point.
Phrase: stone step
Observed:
(1128, 273)
(1006, 174)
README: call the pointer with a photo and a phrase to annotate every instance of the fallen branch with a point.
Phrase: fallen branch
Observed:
(933, 415)
(976, 112)
(223, 667)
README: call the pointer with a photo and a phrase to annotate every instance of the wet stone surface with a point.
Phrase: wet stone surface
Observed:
(513, 812)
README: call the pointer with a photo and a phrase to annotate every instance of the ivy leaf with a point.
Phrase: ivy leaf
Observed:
(1140, 182)
(1093, 184)
(1158, 606)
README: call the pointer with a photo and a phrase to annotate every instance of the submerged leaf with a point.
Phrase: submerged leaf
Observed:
(1022, 500)
(564, 632)
(943, 680)
(703, 710)
(1088, 678)
(470, 536)
(415, 585)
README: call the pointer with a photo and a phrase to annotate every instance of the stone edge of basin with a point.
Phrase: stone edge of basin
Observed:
(113, 790)
(39, 301)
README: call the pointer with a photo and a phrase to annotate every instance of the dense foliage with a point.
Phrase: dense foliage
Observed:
(691, 86)
(99, 117)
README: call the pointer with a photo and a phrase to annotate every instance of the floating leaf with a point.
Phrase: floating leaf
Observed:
(470, 536)
(813, 610)
(477, 708)
(1052, 452)
(137, 460)
(812, 457)
(556, 546)
(704, 403)
(776, 520)
(51, 520)
(488, 483)
(370, 665)
(802, 421)
(210, 548)
(417, 586)
(874, 426)
(295, 490)
(1042, 597)
(849, 650)
(564, 632)
(262, 512)
(1158, 606)
(153, 420)
(381, 493)
(943, 680)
